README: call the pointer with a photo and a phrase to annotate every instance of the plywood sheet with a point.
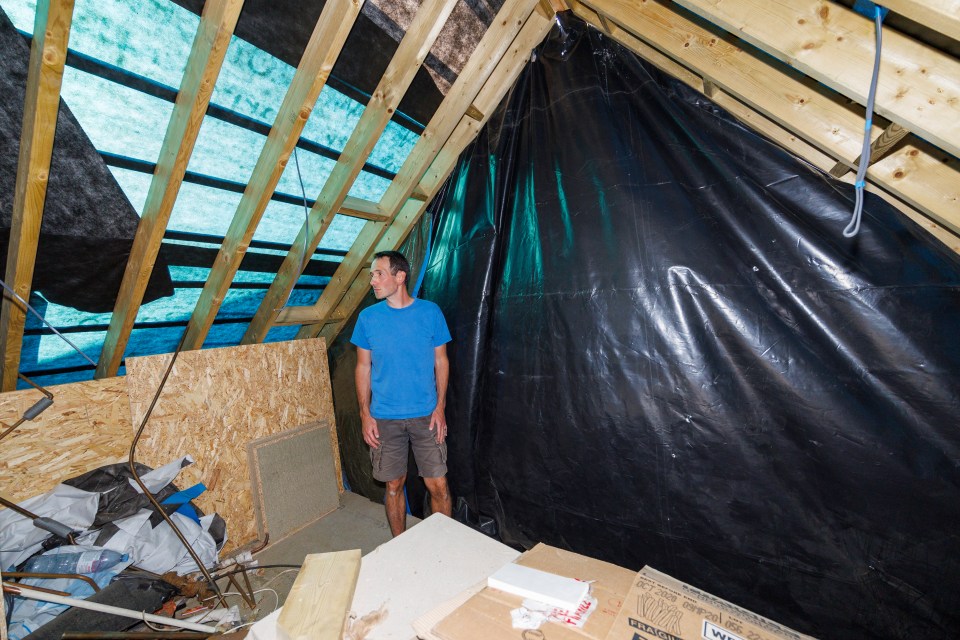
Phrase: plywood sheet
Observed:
(218, 400)
(87, 426)
(294, 479)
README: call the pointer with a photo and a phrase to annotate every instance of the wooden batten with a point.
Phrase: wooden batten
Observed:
(48, 52)
(311, 75)
(320, 598)
(203, 67)
(479, 68)
(878, 148)
(835, 46)
(365, 209)
(411, 53)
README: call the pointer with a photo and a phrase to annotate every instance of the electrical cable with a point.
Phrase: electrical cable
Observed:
(44, 321)
(143, 487)
(853, 227)
(306, 228)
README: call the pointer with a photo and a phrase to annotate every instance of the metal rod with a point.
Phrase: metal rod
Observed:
(146, 492)
(36, 594)
(10, 587)
(134, 635)
(69, 576)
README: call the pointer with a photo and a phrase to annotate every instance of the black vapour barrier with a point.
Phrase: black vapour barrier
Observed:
(88, 222)
(666, 353)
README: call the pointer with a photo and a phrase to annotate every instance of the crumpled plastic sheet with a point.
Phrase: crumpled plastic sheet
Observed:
(158, 549)
(155, 549)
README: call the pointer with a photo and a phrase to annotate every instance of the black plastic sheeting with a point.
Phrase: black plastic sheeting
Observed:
(88, 222)
(666, 353)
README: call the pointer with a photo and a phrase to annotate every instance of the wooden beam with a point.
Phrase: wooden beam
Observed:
(318, 58)
(41, 104)
(926, 178)
(410, 55)
(319, 600)
(744, 113)
(501, 42)
(942, 16)
(359, 208)
(919, 87)
(490, 95)
(217, 22)
(880, 147)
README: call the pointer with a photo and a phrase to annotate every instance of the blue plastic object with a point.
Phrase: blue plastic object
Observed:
(81, 562)
(869, 9)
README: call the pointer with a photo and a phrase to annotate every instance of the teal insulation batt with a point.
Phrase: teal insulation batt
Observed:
(665, 353)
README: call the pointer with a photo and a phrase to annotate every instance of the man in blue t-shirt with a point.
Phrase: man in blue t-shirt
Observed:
(402, 362)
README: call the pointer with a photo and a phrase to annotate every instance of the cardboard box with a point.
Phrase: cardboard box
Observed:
(659, 607)
(486, 615)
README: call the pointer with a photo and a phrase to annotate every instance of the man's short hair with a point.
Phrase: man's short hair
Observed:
(398, 262)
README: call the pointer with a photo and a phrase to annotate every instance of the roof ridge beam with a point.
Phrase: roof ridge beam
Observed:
(396, 80)
(48, 51)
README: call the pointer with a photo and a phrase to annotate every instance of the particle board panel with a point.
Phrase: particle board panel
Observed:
(87, 426)
(218, 400)
(294, 479)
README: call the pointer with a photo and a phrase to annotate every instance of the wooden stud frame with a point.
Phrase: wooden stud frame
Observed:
(203, 67)
(499, 43)
(411, 53)
(318, 58)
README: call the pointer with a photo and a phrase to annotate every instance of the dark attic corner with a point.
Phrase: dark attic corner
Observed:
(679, 402)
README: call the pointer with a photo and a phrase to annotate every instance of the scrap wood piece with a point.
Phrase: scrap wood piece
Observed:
(320, 598)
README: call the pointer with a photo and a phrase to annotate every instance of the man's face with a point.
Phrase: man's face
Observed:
(383, 282)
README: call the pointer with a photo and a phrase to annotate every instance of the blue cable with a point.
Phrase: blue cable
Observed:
(853, 227)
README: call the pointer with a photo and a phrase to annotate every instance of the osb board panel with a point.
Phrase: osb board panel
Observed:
(87, 426)
(218, 400)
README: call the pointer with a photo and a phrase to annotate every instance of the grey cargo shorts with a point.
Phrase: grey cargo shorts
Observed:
(390, 458)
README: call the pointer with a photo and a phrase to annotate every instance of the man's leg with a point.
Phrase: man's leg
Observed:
(396, 504)
(439, 495)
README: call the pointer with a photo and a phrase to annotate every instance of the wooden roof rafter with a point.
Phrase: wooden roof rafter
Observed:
(321, 53)
(939, 15)
(502, 78)
(209, 49)
(48, 53)
(517, 29)
(412, 51)
(918, 87)
(798, 112)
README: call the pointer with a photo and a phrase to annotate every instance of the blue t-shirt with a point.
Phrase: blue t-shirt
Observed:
(402, 342)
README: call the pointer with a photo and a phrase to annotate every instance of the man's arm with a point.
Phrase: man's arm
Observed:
(371, 435)
(441, 370)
